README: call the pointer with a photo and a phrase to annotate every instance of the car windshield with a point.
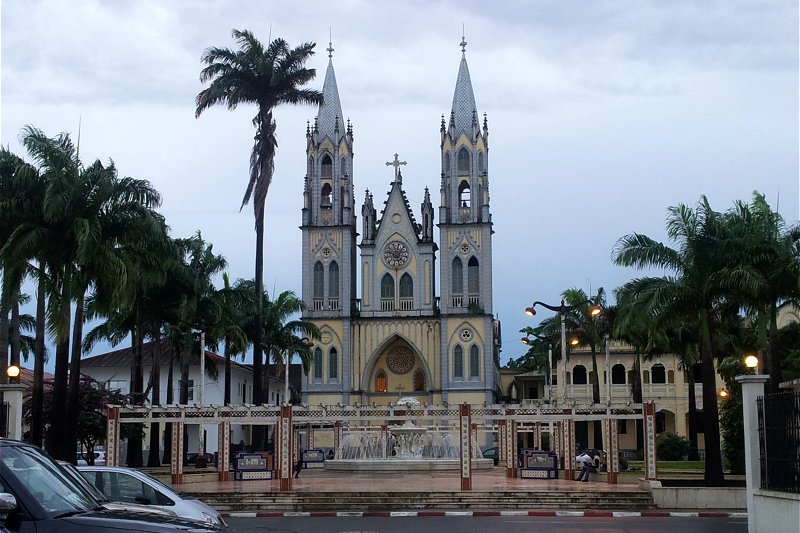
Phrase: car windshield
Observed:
(163, 486)
(76, 476)
(51, 487)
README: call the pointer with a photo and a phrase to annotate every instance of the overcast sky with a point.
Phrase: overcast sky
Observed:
(601, 115)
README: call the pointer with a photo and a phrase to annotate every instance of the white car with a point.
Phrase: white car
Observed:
(99, 458)
(122, 484)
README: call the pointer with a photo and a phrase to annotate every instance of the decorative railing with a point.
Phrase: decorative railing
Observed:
(406, 304)
(318, 304)
(473, 299)
(333, 304)
(779, 441)
(387, 304)
(458, 301)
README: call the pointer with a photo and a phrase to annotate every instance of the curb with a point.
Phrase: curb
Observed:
(572, 514)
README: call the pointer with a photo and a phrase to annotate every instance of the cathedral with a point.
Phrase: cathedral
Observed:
(385, 334)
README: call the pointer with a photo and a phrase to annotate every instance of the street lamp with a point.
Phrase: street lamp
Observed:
(13, 374)
(751, 361)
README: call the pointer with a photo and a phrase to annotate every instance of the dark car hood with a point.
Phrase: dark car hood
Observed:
(127, 521)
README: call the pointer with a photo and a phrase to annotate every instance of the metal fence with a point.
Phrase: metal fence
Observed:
(779, 441)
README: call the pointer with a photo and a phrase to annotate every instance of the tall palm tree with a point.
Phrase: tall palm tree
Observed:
(266, 77)
(696, 286)
(233, 303)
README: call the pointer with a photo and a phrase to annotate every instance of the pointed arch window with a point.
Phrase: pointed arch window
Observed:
(446, 163)
(319, 281)
(579, 376)
(473, 276)
(326, 195)
(318, 364)
(343, 168)
(480, 161)
(474, 362)
(387, 286)
(458, 276)
(333, 365)
(406, 286)
(333, 281)
(381, 383)
(463, 162)
(464, 194)
(419, 380)
(458, 363)
(327, 166)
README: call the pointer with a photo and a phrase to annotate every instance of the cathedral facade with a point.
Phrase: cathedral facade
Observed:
(385, 334)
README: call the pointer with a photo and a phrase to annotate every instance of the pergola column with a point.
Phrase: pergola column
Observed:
(557, 438)
(465, 431)
(502, 429)
(569, 446)
(112, 436)
(310, 431)
(537, 436)
(511, 445)
(649, 411)
(285, 448)
(176, 459)
(612, 460)
(224, 451)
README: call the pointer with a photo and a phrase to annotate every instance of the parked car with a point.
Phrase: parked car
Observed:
(105, 501)
(38, 496)
(493, 454)
(127, 485)
(99, 458)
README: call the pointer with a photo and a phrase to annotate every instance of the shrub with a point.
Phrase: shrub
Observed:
(671, 447)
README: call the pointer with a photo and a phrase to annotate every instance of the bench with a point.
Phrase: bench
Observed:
(251, 466)
(313, 458)
(538, 464)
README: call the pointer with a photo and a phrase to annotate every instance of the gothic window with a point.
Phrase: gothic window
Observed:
(463, 162)
(458, 276)
(473, 276)
(658, 373)
(381, 383)
(326, 195)
(458, 363)
(343, 169)
(419, 380)
(474, 362)
(317, 364)
(480, 161)
(310, 166)
(333, 365)
(333, 281)
(464, 194)
(406, 286)
(446, 163)
(579, 375)
(327, 166)
(618, 375)
(319, 280)
(387, 286)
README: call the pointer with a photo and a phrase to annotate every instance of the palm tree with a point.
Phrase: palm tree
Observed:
(284, 336)
(692, 292)
(233, 303)
(267, 77)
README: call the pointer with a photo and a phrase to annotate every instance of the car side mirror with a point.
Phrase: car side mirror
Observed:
(8, 503)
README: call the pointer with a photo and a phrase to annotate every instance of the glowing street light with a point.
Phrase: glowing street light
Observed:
(751, 361)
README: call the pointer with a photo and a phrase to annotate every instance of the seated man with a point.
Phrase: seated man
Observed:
(590, 462)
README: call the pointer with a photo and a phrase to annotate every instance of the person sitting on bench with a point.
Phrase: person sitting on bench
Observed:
(590, 462)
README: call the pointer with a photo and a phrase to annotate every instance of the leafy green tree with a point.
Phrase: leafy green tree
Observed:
(267, 77)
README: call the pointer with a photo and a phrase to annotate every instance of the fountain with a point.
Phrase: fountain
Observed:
(404, 447)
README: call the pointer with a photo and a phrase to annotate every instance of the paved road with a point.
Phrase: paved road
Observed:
(456, 524)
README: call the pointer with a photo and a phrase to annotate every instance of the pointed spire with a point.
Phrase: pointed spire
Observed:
(331, 109)
(463, 98)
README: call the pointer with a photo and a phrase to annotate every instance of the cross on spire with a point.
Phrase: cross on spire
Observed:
(396, 164)
(463, 42)
(330, 44)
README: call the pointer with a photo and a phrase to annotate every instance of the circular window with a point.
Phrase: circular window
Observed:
(400, 361)
(466, 334)
(465, 248)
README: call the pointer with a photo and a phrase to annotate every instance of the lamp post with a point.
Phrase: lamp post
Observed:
(562, 310)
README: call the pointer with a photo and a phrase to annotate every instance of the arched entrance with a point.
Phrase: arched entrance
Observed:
(397, 371)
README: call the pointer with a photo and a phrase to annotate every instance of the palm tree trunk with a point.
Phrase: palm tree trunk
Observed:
(636, 394)
(170, 399)
(58, 413)
(227, 397)
(37, 395)
(135, 459)
(773, 356)
(692, 422)
(258, 434)
(155, 399)
(73, 402)
(15, 340)
(713, 471)
(5, 308)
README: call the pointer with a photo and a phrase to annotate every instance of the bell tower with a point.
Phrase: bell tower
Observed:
(465, 223)
(329, 221)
